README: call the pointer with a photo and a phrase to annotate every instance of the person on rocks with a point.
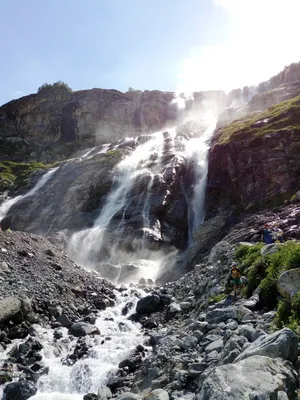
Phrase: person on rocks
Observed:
(277, 234)
(266, 235)
(235, 274)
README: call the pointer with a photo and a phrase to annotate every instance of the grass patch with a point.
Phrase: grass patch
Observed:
(263, 272)
(15, 174)
(217, 298)
(283, 117)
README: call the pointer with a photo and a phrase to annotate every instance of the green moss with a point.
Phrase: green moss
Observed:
(15, 174)
(283, 117)
(263, 272)
(217, 298)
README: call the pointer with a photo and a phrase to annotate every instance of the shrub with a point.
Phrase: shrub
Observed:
(58, 85)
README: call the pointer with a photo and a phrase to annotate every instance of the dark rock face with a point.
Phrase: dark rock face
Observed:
(252, 171)
(31, 125)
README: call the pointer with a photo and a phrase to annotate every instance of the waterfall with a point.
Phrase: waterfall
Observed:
(145, 160)
(7, 204)
(197, 150)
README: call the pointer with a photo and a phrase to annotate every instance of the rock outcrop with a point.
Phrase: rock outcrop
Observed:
(55, 123)
(254, 163)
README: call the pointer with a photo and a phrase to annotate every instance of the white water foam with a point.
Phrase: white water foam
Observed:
(7, 204)
(118, 339)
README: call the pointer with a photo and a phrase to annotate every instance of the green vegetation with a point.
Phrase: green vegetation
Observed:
(284, 117)
(265, 271)
(217, 298)
(17, 174)
(55, 85)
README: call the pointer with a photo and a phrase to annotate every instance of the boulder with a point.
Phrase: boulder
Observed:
(21, 390)
(80, 329)
(9, 307)
(223, 252)
(281, 344)
(104, 393)
(257, 377)
(148, 304)
(288, 283)
(129, 396)
(4, 268)
(158, 394)
(269, 249)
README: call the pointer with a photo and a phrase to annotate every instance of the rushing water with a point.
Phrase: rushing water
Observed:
(118, 339)
(7, 204)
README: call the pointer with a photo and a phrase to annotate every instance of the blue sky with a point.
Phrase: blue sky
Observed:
(146, 44)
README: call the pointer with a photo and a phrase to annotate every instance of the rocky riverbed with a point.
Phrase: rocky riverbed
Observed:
(187, 339)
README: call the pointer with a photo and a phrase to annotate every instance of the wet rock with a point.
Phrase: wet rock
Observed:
(258, 376)
(281, 344)
(90, 396)
(148, 304)
(127, 271)
(104, 393)
(129, 396)
(288, 283)
(80, 329)
(21, 390)
(9, 308)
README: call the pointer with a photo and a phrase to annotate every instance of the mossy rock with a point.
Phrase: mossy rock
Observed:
(283, 117)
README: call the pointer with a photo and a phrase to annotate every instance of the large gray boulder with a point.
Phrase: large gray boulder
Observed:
(129, 396)
(281, 344)
(288, 283)
(9, 307)
(256, 378)
(223, 252)
(224, 314)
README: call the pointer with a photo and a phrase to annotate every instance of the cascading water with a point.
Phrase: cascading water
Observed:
(7, 204)
(197, 150)
(85, 245)
(117, 340)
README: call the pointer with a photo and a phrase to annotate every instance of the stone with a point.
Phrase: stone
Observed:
(158, 394)
(257, 377)
(80, 329)
(223, 252)
(129, 396)
(232, 325)
(248, 331)
(185, 305)
(280, 344)
(64, 321)
(90, 396)
(104, 393)
(189, 342)
(221, 315)
(4, 267)
(148, 304)
(196, 369)
(269, 249)
(288, 283)
(21, 390)
(217, 345)
(174, 308)
(9, 307)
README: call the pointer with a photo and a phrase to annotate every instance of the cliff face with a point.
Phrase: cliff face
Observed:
(54, 123)
(255, 162)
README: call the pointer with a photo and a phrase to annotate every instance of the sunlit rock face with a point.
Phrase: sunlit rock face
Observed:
(56, 123)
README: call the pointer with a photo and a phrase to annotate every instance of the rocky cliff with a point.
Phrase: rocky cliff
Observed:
(56, 122)
(254, 162)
